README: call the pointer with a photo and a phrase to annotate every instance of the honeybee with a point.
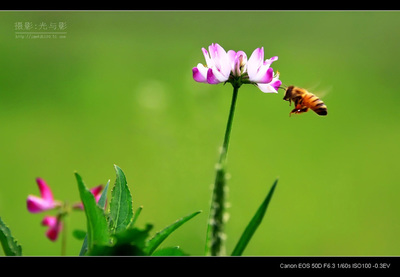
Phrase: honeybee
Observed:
(304, 100)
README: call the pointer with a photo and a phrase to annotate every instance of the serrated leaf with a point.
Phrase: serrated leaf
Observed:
(10, 245)
(254, 223)
(97, 226)
(121, 210)
(158, 238)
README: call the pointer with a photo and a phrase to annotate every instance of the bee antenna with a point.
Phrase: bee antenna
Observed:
(283, 87)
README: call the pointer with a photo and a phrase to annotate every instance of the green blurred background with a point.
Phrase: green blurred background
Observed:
(118, 89)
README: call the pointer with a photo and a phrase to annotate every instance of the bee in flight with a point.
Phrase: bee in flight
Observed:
(304, 100)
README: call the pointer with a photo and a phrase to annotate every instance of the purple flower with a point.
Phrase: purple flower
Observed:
(233, 67)
(45, 202)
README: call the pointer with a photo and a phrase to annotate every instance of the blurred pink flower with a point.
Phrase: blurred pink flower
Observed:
(96, 191)
(55, 226)
(45, 202)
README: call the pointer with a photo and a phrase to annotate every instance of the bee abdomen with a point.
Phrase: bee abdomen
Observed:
(320, 108)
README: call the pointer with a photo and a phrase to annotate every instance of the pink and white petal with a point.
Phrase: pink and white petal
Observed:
(224, 65)
(239, 63)
(209, 62)
(36, 204)
(220, 59)
(268, 88)
(216, 51)
(242, 57)
(270, 60)
(45, 190)
(231, 55)
(264, 75)
(211, 78)
(255, 61)
(200, 73)
(276, 83)
(215, 77)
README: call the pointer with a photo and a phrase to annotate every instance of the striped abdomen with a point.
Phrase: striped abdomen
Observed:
(314, 103)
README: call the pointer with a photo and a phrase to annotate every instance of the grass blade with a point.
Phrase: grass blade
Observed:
(158, 238)
(254, 223)
(10, 245)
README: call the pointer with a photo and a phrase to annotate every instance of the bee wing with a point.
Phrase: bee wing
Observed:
(321, 93)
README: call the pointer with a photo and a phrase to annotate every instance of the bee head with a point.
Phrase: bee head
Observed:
(288, 94)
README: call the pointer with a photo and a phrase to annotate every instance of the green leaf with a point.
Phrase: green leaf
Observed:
(134, 236)
(102, 204)
(97, 226)
(121, 211)
(79, 234)
(158, 238)
(103, 196)
(129, 242)
(253, 224)
(170, 251)
(10, 245)
(135, 216)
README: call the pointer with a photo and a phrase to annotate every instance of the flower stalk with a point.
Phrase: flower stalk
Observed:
(230, 67)
(215, 231)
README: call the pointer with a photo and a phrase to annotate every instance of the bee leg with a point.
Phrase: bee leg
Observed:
(303, 110)
(300, 109)
(293, 111)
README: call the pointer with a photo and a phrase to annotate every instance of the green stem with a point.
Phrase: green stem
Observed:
(64, 239)
(215, 230)
(63, 217)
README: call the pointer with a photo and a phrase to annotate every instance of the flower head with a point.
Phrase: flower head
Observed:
(45, 202)
(55, 226)
(233, 67)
